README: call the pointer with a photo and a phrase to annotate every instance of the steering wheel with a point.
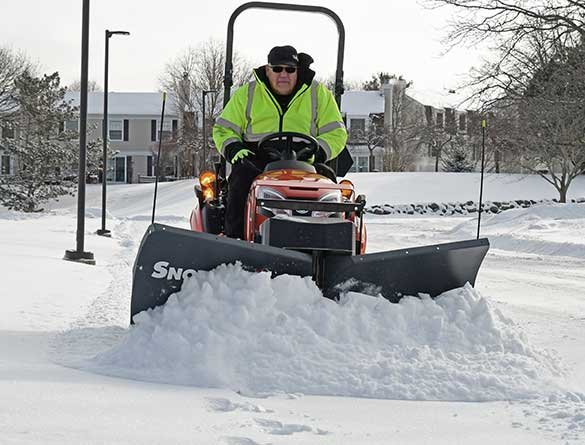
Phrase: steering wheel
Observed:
(283, 146)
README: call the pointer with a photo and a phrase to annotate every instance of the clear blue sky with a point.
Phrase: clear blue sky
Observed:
(398, 36)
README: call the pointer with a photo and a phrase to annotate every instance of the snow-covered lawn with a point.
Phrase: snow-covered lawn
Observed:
(237, 358)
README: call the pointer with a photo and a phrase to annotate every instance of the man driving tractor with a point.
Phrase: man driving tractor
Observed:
(300, 221)
(283, 96)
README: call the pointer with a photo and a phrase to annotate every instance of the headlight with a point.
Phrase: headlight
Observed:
(268, 193)
(334, 196)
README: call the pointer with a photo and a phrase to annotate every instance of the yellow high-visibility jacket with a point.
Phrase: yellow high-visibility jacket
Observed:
(253, 112)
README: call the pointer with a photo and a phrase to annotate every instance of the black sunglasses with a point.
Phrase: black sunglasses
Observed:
(288, 69)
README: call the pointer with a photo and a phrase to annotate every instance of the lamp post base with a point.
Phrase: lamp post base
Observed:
(79, 257)
(104, 232)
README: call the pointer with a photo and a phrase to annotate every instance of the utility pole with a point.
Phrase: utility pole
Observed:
(103, 231)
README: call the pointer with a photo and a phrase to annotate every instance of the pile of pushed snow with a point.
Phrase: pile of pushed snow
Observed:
(245, 331)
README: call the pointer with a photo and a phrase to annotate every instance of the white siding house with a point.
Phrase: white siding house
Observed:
(133, 130)
(358, 109)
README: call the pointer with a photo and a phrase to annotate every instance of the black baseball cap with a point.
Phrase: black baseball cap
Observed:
(283, 55)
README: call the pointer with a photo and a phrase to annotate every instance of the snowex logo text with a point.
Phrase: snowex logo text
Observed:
(163, 269)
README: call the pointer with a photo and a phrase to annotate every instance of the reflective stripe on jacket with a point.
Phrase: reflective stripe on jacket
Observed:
(253, 113)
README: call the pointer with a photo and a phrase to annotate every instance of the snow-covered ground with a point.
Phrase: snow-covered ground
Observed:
(237, 358)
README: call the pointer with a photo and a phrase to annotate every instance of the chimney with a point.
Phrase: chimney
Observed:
(387, 91)
(393, 91)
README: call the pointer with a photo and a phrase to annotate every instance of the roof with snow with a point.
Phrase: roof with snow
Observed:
(362, 103)
(146, 104)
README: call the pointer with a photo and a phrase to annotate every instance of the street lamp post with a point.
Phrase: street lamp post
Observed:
(103, 231)
(79, 254)
(205, 93)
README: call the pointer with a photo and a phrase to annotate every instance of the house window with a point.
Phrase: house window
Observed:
(7, 132)
(120, 169)
(167, 130)
(116, 130)
(363, 164)
(5, 165)
(462, 122)
(439, 120)
(357, 127)
(72, 125)
(149, 166)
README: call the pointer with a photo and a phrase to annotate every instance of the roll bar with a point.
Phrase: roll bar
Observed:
(228, 77)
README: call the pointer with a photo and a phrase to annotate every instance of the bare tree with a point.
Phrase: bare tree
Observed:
(522, 35)
(533, 82)
(478, 20)
(500, 137)
(551, 125)
(92, 85)
(372, 136)
(542, 131)
(348, 85)
(194, 70)
(404, 130)
(437, 139)
(12, 65)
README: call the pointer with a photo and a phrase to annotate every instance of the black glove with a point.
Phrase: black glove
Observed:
(320, 156)
(236, 151)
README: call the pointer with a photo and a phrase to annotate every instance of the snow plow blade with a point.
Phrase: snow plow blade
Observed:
(168, 254)
(429, 270)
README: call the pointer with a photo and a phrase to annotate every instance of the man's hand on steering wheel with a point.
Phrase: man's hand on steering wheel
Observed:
(318, 158)
(289, 145)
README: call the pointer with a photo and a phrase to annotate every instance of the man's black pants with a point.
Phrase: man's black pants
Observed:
(239, 183)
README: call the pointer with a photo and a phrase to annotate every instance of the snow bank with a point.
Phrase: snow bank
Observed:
(555, 229)
(420, 187)
(245, 331)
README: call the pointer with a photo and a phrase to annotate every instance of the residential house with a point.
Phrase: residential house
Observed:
(443, 113)
(415, 110)
(359, 110)
(133, 131)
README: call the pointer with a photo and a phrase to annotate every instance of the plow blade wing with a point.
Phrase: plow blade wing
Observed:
(430, 270)
(168, 254)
